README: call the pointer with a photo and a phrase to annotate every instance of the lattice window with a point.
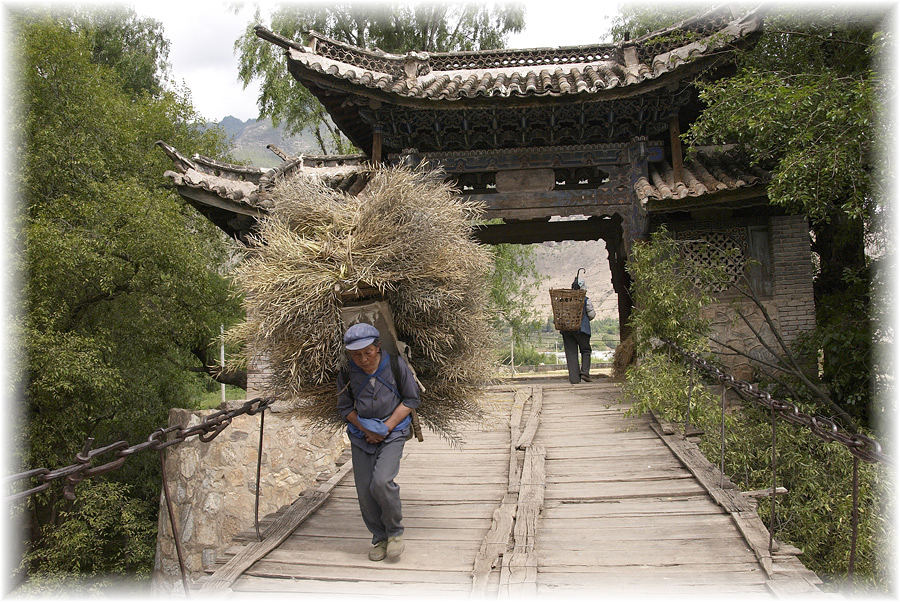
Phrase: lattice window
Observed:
(727, 248)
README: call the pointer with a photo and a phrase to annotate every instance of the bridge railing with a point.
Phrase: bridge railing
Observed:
(860, 446)
(84, 466)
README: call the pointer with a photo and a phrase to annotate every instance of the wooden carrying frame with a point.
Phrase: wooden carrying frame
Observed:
(568, 307)
(378, 314)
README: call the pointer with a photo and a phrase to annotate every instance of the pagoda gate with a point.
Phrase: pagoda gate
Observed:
(569, 143)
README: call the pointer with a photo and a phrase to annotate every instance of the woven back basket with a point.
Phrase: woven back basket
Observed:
(567, 304)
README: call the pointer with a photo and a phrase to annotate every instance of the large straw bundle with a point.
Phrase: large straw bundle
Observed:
(409, 236)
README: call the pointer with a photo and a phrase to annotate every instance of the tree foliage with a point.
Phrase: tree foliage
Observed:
(817, 474)
(391, 27)
(806, 102)
(511, 289)
(120, 276)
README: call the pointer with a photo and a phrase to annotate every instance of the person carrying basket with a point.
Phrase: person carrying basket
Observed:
(579, 340)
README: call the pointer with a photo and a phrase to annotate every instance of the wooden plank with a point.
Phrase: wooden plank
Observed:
(437, 556)
(515, 417)
(708, 476)
(660, 553)
(379, 572)
(757, 536)
(656, 590)
(740, 507)
(683, 574)
(784, 586)
(494, 545)
(461, 529)
(515, 420)
(570, 438)
(355, 588)
(275, 535)
(470, 493)
(518, 577)
(534, 419)
(349, 510)
(625, 473)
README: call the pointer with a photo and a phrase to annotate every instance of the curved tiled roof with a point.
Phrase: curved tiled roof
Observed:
(708, 172)
(249, 186)
(560, 71)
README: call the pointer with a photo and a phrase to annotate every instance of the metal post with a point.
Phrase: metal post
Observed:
(262, 421)
(512, 356)
(722, 435)
(774, 483)
(854, 521)
(687, 415)
(175, 536)
(222, 356)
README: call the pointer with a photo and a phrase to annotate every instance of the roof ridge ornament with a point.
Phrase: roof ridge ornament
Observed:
(270, 36)
(416, 64)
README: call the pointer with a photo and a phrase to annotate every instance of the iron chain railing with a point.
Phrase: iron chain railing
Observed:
(159, 440)
(859, 445)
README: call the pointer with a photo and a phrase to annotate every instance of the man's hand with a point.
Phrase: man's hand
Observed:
(373, 437)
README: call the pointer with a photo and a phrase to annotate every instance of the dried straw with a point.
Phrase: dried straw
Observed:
(408, 234)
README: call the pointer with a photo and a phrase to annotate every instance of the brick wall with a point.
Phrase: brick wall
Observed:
(793, 285)
(258, 375)
(791, 305)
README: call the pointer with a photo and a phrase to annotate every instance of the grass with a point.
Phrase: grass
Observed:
(212, 399)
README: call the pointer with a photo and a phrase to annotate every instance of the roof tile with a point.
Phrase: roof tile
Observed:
(538, 71)
(707, 172)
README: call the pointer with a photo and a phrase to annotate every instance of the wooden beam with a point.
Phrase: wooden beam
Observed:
(609, 194)
(534, 419)
(534, 231)
(494, 545)
(204, 197)
(677, 161)
(752, 196)
(518, 575)
(280, 530)
(376, 147)
(515, 430)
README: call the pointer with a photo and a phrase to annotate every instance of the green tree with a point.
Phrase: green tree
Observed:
(136, 48)
(511, 290)
(393, 27)
(816, 513)
(121, 283)
(804, 103)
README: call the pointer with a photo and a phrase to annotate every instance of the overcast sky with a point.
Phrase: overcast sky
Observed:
(202, 36)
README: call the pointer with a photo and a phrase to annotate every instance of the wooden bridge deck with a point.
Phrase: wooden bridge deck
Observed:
(591, 502)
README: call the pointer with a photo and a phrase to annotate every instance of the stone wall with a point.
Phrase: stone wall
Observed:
(212, 484)
(791, 305)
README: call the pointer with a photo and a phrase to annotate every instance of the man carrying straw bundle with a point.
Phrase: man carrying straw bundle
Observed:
(377, 403)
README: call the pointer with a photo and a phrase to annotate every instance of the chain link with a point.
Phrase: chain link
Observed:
(207, 430)
(863, 447)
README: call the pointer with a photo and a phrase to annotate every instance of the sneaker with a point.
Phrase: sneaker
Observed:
(378, 551)
(394, 547)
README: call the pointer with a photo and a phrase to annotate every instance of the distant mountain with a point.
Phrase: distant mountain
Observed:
(559, 262)
(249, 139)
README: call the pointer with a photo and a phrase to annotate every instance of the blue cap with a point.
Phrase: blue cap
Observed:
(360, 335)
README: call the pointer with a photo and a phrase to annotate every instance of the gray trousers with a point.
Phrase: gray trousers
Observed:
(378, 494)
(573, 342)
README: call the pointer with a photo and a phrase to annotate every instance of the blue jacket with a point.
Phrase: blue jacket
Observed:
(376, 396)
